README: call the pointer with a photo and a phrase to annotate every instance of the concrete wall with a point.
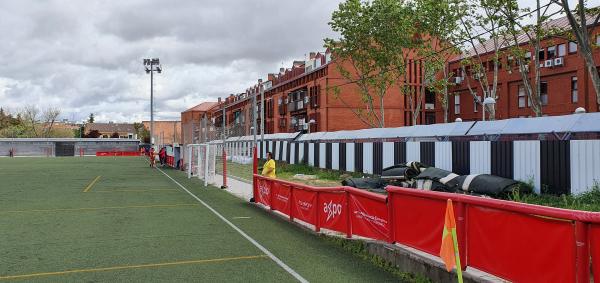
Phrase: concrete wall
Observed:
(47, 147)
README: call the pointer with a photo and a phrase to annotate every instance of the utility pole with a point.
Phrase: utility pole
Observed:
(152, 65)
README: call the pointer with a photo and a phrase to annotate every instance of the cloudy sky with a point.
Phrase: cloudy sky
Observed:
(86, 56)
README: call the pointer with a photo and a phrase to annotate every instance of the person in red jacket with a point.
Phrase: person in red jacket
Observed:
(162, 155)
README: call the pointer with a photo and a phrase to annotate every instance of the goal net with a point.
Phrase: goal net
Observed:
(201, 162)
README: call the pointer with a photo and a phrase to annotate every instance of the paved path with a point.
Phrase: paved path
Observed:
(238, 188)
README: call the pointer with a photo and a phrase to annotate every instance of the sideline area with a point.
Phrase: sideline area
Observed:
(135, 224)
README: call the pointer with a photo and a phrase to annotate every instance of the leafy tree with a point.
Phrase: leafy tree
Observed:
(115, 135)
(439, 21)
(91, 118)
(93, 134)
(370, 52)
(582, 29)
(521, 55)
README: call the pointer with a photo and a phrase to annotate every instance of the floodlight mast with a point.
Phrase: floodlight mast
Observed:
(151, 66)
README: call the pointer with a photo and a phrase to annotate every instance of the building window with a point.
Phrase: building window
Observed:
(572, 47)
(544, 93)
(522, 97)
(574, 94)
(541, 55)
(476, 101)
(457, 104)
(562, 50)
(551, 52)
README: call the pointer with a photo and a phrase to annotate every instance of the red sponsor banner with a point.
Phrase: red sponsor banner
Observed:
(304, 205)
(418, 222)
(520, 247)
(595, 250)
(281, 198)
(263, 191)
(369, 216)
(333, 211)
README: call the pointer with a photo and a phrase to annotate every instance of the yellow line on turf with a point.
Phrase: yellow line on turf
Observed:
(130, 267)
(148, 190)
(91, 184)
(99, 208)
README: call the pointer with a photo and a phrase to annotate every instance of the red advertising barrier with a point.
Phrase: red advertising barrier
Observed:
(520, 247)
(514, 241)
(281, 198)
(117, 153)
(594, 240)
(333, 211)
(369, 214)
(304, 205)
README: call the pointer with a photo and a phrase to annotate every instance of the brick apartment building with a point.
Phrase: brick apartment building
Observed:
(302, 97)
(193, 121)
(565, 83)
(165, 132)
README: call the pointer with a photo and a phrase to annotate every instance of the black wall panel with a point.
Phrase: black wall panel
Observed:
(502, 158)
(461, 163)
(275, 152)
(377, 157)
(358, 157)
(305, 155)
(399, 152)
(297, 152)
(342, 156)
(555, 168)
(316, 154)
(428, 153)
(328, 153)
(287, 152)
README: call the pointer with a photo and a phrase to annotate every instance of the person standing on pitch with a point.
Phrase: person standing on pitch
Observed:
(152, 157)
(269, 167)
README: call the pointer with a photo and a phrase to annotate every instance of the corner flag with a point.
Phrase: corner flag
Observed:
(449, 249)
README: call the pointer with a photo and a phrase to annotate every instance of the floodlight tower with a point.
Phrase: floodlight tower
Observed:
(151, 66)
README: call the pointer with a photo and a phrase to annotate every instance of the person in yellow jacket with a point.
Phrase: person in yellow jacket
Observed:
(269, 167)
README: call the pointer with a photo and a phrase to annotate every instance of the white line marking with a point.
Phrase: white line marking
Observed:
(254, 242)
(241, 217)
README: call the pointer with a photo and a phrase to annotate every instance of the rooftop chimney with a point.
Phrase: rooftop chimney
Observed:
(312, 55)
(219, 101)
(281, 70)
(271, 77)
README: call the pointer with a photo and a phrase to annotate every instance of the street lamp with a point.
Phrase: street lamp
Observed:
(151, 66)
(488, 101)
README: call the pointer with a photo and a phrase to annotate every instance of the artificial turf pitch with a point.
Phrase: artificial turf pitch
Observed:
(114, 219)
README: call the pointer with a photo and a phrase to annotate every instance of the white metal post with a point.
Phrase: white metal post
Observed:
(189, 153)
(199, 160)
(206, 165)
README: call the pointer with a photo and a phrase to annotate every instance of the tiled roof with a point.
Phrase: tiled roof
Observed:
(488, 45)
(110, 127)
(202, 107)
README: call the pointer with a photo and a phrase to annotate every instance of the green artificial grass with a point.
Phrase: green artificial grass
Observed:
(134, 224)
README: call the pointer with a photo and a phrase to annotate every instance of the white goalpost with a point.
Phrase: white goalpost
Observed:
(201, 161)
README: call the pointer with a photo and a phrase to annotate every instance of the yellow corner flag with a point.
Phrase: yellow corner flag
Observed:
(449, 249)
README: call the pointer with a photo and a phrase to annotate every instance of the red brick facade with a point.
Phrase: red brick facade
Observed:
(567, 85)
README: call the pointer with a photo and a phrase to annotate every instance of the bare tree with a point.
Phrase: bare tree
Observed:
(30, 115)
(578, 20)
(49, 116)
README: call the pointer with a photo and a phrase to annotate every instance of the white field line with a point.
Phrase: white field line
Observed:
(250, 239)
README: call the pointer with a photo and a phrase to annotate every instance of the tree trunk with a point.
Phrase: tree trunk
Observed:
(581, 33)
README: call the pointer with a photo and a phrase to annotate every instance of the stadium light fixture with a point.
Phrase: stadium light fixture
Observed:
(151, 66)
